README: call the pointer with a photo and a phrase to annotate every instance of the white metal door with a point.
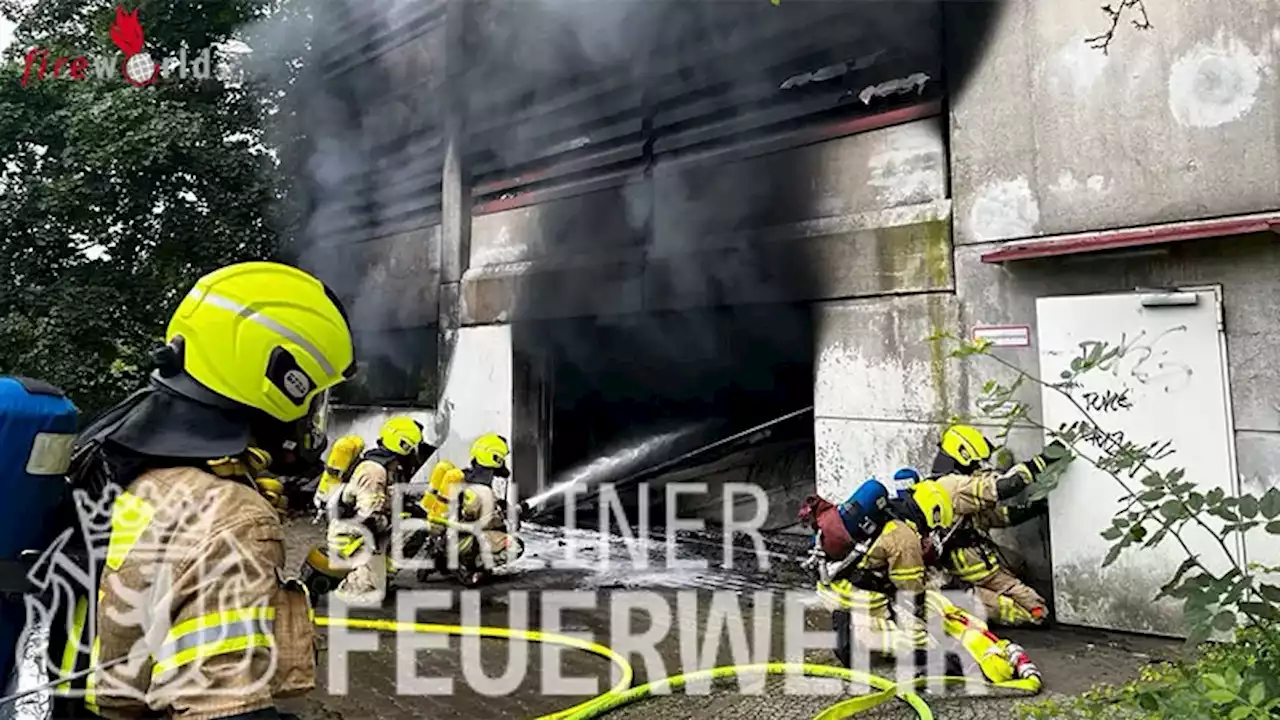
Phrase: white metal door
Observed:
(1166, 390)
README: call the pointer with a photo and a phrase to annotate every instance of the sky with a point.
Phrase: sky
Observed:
(6, 33)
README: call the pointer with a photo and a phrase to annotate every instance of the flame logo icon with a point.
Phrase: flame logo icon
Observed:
(138, 68)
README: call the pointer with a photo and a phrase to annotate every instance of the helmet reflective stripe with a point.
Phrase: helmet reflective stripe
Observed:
(267, 322)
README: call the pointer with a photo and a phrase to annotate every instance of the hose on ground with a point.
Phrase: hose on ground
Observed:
(622, 694)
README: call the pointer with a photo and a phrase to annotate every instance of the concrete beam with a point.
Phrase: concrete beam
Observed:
(904, 250)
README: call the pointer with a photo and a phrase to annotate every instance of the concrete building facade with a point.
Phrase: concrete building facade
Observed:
(937, 185)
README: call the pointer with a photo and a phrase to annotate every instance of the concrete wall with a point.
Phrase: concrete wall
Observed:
(478, 390)
(877, 384)
(478, 395)
(386, 283)
(868, 210)
(882, 390)
(1051, 136)
(1177, 122)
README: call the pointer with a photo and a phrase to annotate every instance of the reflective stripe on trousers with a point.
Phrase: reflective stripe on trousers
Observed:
(974, 572)
(1012, 613)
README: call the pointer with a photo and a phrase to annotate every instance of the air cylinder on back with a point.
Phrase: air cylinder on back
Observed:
(37, 431)
(863, 512)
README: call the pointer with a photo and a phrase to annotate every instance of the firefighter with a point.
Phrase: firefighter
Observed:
(364, 508)
(191, 614)
(983, 501)
(878, 596)
(467, 497)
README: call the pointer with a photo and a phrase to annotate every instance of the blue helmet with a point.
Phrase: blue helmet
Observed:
(906, 478)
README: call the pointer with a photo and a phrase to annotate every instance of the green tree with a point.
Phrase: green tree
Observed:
(115, 198)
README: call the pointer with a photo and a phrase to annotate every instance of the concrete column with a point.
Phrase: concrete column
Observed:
(531, 416)
(455, 203)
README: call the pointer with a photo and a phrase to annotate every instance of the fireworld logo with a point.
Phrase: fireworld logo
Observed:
(137, 68)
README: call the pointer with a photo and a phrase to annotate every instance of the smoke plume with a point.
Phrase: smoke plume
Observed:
(635, 89)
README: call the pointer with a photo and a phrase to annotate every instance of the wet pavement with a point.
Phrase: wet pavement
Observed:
(609, 591)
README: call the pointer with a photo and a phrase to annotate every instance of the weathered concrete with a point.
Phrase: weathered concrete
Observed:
(386, 283)
(695, 203)
(882, 390)
(599, 224)
(1051, 136)
(895, 251)
(863, 215)
(478, 390)
(883, 393)
(994, 294)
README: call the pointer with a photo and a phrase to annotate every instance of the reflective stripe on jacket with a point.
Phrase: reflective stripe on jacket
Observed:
(897, 554)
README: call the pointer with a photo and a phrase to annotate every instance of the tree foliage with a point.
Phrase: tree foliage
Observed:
(115, 198)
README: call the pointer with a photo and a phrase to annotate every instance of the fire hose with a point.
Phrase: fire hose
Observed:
(622, 694)
(997, 659)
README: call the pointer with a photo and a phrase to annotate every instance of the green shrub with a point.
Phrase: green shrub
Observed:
(1228, 681)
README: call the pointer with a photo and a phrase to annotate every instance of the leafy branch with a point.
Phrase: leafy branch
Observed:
(1114, 14)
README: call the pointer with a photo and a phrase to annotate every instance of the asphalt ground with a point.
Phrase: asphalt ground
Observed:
(609, 592)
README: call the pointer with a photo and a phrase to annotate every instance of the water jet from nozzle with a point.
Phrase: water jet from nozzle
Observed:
(653, 454)
(623, 460)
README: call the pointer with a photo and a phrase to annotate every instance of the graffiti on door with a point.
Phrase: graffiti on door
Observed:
(1139, 357)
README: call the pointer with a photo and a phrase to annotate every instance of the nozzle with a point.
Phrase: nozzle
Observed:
(1022, 664)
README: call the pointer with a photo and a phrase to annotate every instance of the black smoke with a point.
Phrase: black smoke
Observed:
(694, 304)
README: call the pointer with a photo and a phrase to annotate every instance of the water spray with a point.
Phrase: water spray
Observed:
(537, 505)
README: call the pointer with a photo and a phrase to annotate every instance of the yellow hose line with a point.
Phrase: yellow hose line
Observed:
(396, 626)
(623, 694)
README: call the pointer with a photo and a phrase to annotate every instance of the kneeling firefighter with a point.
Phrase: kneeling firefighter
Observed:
(871, 552)
(984, 500)
(361, 509)
(182, 608)
(466, 496)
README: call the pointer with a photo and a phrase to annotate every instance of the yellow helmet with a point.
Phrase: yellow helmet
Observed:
(262, 335)
(935, 504)
(401, 435)
(966, 445)
(490, 451)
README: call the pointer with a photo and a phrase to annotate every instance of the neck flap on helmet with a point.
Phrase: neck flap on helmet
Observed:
(159, 421)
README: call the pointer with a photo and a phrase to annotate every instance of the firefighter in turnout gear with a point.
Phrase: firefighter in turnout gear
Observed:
(360, 530)
(189, 612)
(877, 589)
(872, 554)
(984, 500)
(467, 496)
